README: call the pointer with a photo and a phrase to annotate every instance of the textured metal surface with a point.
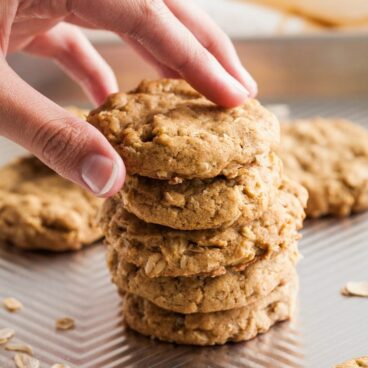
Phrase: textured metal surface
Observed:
(329, 328)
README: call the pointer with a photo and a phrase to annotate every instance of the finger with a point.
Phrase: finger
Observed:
(153, 25)
(70, 48)
(73, 19)
(70, 146)
(162, 69)
(213, 39)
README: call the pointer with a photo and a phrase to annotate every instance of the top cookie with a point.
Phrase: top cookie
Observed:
(165, 129)
(330, 158)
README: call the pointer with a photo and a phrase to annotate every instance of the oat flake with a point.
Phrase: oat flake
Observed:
(5, 335)
(25, 361)
(65, 323)
(23, 348)
(355, 288)
(12, 304)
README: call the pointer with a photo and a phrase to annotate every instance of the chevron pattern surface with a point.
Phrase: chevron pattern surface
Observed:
(328, 329)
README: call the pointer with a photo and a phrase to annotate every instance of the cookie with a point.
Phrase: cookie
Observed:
(164, 129)
(162, 251)
(203, 293)
(238, 324)
(41, 210)
(361, 362)
(330, 158)
(204, 204)
(328, 12)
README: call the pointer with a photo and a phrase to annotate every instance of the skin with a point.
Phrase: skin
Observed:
(178, 38)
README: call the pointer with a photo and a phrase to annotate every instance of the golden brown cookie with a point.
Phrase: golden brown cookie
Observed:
(361, 362)
(330, 158)
(41, 210)
(164, 129)
(327, 12)
(162, 251)
(204, 204)
(212, 328)
(204, 293)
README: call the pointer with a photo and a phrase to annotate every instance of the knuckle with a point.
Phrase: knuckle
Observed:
(191, 58)
(150, 8)
(219, 42)
(59, 142)
(147, 12)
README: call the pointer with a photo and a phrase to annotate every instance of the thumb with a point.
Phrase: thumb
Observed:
(70, 146)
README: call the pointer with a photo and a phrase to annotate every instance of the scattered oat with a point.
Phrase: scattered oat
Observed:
(58, 365)
(65, 323)
(23, 348)
(25, 361)
(12, 304)
(355, 288)
(5, 335)
(354, 363)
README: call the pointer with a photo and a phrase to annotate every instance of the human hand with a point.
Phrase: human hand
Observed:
(175, 36)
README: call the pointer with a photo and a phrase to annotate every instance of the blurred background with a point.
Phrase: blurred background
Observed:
(279, 41)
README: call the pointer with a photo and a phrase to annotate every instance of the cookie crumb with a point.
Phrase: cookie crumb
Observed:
(65, 323)
(12, 304)
(59, 365)
(20, 347)
(25, 361)
(354, 363)
(5, 335)
(355, 288)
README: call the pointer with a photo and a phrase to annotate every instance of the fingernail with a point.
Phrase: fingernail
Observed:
(251, 84)
(100, 173)
(238, 86)
(248, 81)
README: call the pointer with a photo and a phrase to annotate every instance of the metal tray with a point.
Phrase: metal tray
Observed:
(328, 327)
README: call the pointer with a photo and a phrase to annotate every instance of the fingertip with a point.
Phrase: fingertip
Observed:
(246, 79)
(251, 86)
(119, 178)
(229, 92)
(102, 175)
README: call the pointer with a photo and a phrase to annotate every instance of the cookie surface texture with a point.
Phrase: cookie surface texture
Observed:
(238, 324)
(329, 157)
(166, 130)
(41, 210)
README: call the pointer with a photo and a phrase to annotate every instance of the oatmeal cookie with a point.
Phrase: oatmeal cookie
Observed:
(214, 328)
(330, 158)
(206, 293)
(41, 210)
(361, 362)
(164, 129)
(204, 204)
(162, 251)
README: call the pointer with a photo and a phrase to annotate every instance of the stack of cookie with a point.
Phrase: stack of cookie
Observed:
(202, 237)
